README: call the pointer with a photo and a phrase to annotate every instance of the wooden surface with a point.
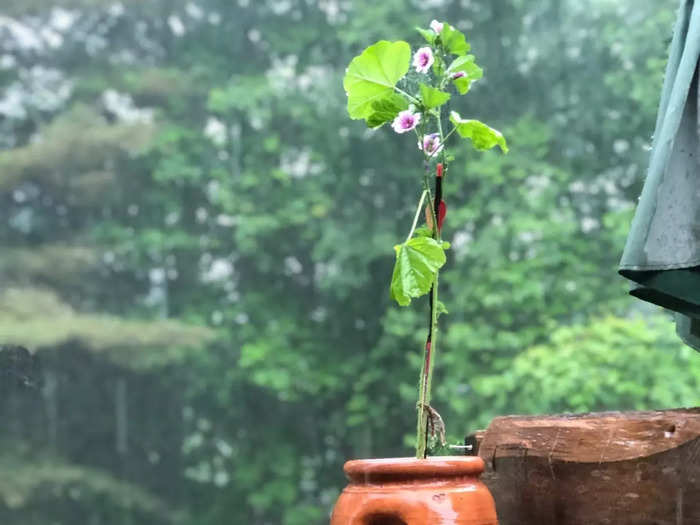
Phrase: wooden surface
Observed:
(619, 468)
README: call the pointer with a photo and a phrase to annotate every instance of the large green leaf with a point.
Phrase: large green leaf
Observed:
(454, 40)
(417, 262)
(467, 66)
(431, 97)
(386, 109)
(482, 136)
(372, 75)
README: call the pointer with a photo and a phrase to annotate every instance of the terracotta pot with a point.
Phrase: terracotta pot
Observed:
(409, 491)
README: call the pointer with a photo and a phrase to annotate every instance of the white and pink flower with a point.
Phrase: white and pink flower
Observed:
(405, 121)
(430, 144)
(458, 74)
(436, 26)
(423, 59)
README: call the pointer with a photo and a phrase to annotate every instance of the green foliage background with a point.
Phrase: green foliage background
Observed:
(197, 244)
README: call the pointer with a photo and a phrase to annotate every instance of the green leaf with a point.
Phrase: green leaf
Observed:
(482, 136)
(472, 72)
(423, 231)
(460, 63)
(386, 109)
(428, 34)
(454, 40)
(417, 262)
(372, 75)
(432, 97)
(441, 309)
(463, 85)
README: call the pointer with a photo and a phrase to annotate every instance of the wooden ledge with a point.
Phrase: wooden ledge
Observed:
(592, 438)
(621, 468)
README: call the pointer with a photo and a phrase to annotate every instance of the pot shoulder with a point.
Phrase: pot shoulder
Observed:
(415, 492)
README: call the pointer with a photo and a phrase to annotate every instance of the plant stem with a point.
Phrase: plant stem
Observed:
(426, 379)
(415, 219)
(411, 97)
(433, 214)
(443, 141)
(427, 376)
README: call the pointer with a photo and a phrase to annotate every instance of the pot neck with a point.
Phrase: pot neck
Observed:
(373, 471)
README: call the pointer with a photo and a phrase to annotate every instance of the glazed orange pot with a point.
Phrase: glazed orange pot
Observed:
(409, 491)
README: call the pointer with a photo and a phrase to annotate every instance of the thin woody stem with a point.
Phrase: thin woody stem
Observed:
(413, 99)
(427, 377)
(415, 219)
(425, 387)
(431, 206)
(444, 140)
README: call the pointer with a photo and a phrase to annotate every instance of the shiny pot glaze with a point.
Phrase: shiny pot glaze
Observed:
(409, 491)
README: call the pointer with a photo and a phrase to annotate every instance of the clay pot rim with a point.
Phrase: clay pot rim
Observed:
(363, 471)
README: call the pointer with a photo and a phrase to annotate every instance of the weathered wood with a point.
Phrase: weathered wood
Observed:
(631, 468)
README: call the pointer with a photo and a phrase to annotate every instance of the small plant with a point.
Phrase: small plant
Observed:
(381, 89)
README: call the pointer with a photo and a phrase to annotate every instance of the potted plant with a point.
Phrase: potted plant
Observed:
(388, 84)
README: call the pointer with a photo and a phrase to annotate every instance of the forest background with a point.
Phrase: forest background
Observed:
(193, 242)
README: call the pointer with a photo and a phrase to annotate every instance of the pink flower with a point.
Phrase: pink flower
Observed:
(458, 74)
(436, 26)
(405, 121)
(431, 145)
(423, 59)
